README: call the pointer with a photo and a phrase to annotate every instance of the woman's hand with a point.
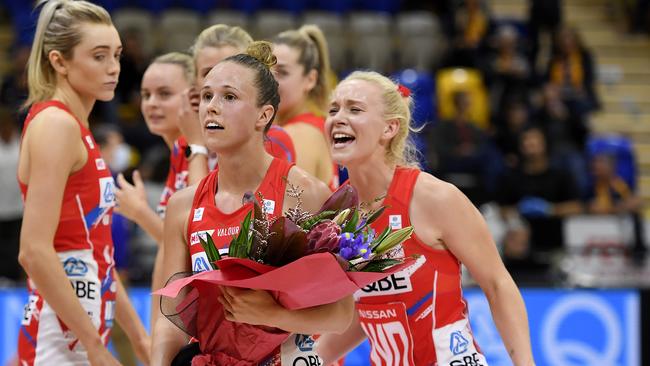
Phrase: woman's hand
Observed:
(255, 307)
(131, 198)
(188, 117)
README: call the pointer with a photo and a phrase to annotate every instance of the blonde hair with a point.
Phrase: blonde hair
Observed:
(220, 35)
(310, 41)
(401, 150)
(183, 60)
(58, 29)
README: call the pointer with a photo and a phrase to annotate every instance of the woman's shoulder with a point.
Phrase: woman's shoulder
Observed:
(430, 192)
(314, 190)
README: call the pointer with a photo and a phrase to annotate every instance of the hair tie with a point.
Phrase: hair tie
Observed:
(404, 90)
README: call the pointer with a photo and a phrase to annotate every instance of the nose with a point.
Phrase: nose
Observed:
(114, 67)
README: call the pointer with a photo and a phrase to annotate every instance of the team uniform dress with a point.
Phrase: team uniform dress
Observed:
(177, 177)
(84, 246)
(417, 316)
(206, 218)
(277, 143)
(319, 123)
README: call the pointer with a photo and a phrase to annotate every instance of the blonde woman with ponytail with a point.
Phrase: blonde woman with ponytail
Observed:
(238, 102)
(65, 241)
(303, 73)
(368, 128)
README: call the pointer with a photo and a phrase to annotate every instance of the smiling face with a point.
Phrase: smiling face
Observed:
(355, 126)
(228, 110)
(94, 67)
(162, 97)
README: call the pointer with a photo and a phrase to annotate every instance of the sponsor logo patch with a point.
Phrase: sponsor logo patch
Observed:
(75, 267)
(395, 221)
(198, 214)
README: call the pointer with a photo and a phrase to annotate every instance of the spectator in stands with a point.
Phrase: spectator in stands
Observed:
(134, 62)
(540, 194)
(544, 19)
(566, 131)
(509, 128)
(508, 71)
(11, 207)
(458, 151)
(303, 74)
(572, 69)
(13, 91)
(472, 24)
(610, 194)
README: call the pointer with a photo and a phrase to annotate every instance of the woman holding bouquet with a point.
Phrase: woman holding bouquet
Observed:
(238, 102)
(68, 192)
(426, 320)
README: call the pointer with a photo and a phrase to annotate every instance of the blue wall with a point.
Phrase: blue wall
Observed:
(568, 327)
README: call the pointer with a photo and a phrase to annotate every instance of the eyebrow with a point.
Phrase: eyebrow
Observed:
(105, 47)
(224, 86)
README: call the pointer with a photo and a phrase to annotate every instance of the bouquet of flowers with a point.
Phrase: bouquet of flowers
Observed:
(281, 256)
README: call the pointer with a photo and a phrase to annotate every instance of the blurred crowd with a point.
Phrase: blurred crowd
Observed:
(503, 107)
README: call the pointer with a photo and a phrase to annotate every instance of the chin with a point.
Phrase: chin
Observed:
(106, 97)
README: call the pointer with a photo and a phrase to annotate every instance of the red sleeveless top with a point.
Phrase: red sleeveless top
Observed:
(177, 177)
(88, 199)
(417, 316)
(319, 123)
(206, 217)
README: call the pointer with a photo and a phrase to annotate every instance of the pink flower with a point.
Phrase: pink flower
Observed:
(324, 237)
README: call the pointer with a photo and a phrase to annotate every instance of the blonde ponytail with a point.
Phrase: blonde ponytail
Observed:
(310, 41)
(58, 29)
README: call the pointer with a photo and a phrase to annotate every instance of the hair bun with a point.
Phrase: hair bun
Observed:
(262, 52)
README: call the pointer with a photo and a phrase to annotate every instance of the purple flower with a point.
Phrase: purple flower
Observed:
(351, 245)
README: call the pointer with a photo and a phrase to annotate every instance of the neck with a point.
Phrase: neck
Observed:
(536, 164)
(371, 178)
(299, 109)
(79, 105)
(170, 138)
(243, 169)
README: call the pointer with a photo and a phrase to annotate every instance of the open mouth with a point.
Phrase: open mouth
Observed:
(342, 139)
(213, 126)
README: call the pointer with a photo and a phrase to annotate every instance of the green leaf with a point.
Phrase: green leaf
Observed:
(239, 246)
(379, 239)
(210, 250)
(308, 224)
(351, 225)
(395, 238)
(372, 218)
(380, 265)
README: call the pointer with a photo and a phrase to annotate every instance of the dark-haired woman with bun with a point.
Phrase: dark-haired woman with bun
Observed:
(66, 246)
(238, 102)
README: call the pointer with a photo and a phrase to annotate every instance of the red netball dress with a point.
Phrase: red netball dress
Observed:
(85, 248)
(417, 316)
(206, 218)
(277, 143)
(319, 123)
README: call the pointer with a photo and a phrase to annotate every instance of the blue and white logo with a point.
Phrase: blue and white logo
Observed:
(200, 262)
(458, 344)
(75, 267)
(106, 192)
(305, 343)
